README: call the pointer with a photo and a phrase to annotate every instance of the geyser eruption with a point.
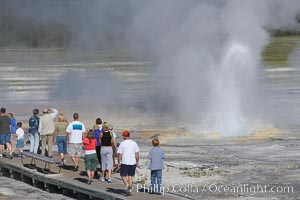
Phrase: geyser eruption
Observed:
(209, 63)
(235, 79)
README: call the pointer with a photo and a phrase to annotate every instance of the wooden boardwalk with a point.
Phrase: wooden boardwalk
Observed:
(74, 184)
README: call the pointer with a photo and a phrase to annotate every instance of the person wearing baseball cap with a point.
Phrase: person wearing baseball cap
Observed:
(128, 160)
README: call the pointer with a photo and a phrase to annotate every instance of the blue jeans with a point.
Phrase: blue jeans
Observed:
(61, 142)
(34, 142)
(156, 178)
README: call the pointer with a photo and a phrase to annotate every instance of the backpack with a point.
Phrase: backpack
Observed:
(33, 125)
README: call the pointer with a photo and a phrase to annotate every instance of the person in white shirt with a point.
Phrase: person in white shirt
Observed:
(20, 138)
(128, 160)
(75, 134)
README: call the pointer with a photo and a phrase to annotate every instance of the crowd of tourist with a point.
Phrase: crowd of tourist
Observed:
(97, 145)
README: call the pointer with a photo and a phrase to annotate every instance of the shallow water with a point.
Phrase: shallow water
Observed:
(96, 85)
(88, 83)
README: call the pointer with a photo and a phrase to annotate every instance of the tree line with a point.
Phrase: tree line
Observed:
(60, 23)
(67, 23)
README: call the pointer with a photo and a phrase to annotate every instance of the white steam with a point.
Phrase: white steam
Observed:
(207, 53)
(210, 55)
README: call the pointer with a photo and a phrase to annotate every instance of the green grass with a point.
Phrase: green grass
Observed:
(277, 52)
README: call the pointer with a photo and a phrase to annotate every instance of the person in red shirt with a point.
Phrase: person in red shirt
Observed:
(89, 143)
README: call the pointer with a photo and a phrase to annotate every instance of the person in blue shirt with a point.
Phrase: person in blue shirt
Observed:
(13, 128)
(97, 130)
(156, 156)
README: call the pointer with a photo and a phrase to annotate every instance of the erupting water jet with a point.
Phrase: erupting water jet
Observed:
(234, 78)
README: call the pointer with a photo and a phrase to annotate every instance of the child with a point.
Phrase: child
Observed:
(20, 138)
(90, 155)
(156, 156)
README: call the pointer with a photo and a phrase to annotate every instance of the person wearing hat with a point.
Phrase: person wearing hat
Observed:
(46, 129)
(128, 160)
